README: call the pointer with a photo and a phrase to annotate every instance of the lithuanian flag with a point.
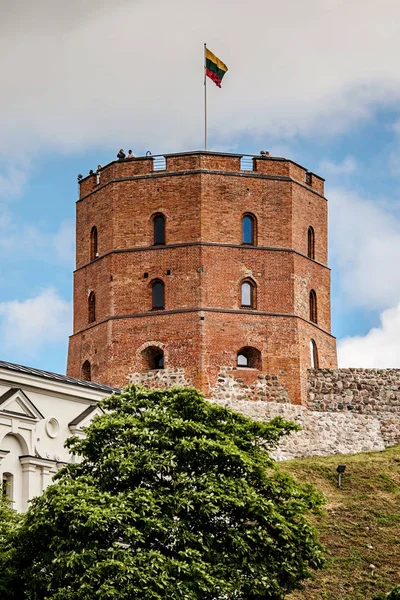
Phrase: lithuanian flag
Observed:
(215, 68)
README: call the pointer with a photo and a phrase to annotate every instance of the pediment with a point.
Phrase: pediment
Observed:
(16, 402)
(84, 419)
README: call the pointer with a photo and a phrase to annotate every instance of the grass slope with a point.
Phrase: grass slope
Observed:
(360, 526)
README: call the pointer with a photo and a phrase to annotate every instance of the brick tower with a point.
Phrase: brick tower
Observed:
(194, 263)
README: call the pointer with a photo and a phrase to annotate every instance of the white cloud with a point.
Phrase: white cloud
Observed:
(29, 325)
(13, 179)
(63, 242)
(365, 242)
(129, 73)
(394, 163)
(19, 239)
(396, 126)
(346, 167)
(379, 348)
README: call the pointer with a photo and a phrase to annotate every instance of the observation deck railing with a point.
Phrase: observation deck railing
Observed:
(162, 165)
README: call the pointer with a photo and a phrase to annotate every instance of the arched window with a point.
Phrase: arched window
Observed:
(14, 446)
(313, 307)
(248, 229)
(153, 358)
(158, 230)
(247, 293)
(157, 294)
(93, 243)
(249, 358)
(92, 307)
(311, 243)
(86, 371)
(8, 487)
(313, 355)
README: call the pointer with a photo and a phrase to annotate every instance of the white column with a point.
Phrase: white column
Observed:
(36, 476)
(29, 475)
(47, 475)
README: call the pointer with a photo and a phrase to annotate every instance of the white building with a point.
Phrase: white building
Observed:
(38, 412)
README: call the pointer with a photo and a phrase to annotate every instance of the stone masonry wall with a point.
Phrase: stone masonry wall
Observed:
(348, 410)
(322, 433)
(359, 391)
(162, 378)
(231, 387)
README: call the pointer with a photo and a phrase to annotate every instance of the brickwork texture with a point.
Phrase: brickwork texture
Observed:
(202, 327)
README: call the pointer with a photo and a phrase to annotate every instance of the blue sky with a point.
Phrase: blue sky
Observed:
(317, 82)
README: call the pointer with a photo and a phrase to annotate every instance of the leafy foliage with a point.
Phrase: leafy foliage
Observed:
(174, 498)
(9, 521)
(394, 594)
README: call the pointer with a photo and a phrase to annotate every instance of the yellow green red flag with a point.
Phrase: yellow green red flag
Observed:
(215, 68)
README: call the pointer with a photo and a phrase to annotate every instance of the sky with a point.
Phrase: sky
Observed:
(317, 81)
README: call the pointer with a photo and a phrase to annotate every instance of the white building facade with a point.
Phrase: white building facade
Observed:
(39, 410)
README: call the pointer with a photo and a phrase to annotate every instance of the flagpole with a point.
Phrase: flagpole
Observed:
(205, 98)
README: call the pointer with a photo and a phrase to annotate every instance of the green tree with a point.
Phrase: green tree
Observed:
(175, 498)
(9, 521)
(394, 594)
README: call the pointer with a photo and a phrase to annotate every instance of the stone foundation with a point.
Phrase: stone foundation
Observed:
(362, 391)
(348, 410)
(231, 387)
(322, 433)
(160, 378)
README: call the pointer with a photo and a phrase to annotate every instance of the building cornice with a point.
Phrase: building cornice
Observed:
(185, 173)
(166, 312)
(246, 247)
(207, 153)
(76, 393)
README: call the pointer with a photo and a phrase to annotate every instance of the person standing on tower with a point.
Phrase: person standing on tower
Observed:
(121, 155)
(130, 154)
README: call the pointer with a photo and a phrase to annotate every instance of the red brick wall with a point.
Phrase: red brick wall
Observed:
(309, 209)
(226, 198)
(206, 264)
(114, 348)
(326, 349)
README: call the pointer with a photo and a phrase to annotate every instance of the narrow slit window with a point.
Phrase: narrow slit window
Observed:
(158, 295)
(313, 355)
(248, 229)
(93, 244)
(313, 307)
(311, 243)
(159, 230)
(247, 294)
(92, 307)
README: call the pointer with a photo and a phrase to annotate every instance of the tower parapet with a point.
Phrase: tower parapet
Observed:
(198, 263)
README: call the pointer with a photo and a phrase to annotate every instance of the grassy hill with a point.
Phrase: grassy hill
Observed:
(361, 525)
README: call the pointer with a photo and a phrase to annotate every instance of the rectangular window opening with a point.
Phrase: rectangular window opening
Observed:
(246, 163)
(159, 163)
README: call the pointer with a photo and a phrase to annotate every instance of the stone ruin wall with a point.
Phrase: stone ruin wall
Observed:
(347, 411)
(369, 392)
(162, 378)
(322, 433)
(266, 388)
